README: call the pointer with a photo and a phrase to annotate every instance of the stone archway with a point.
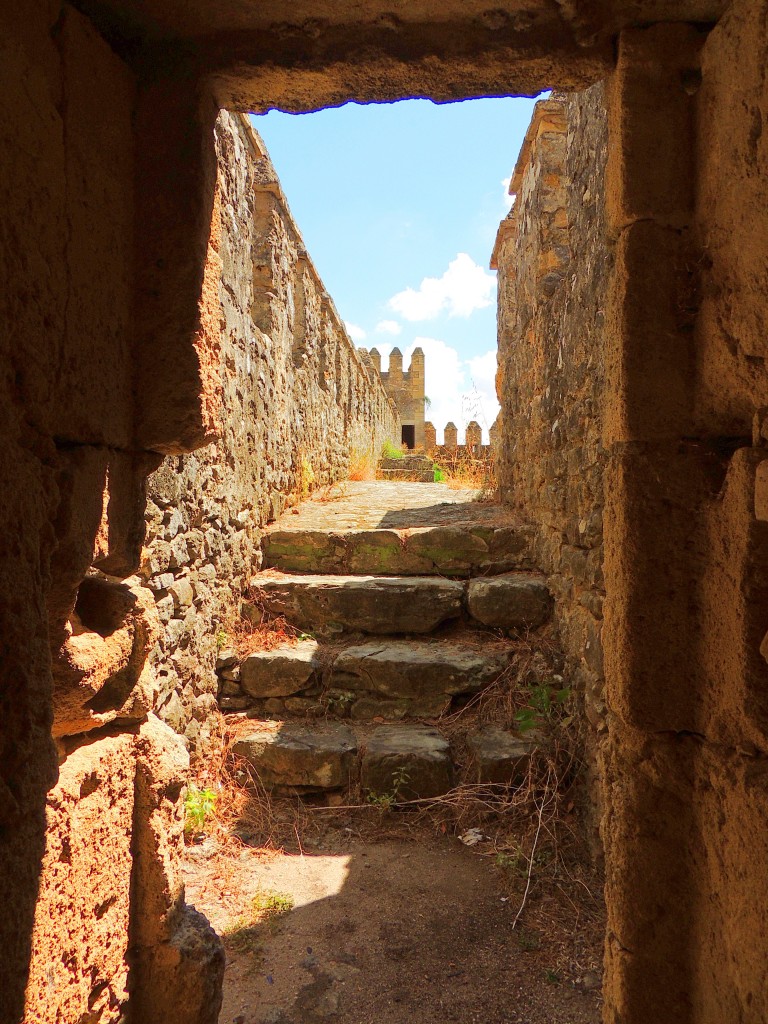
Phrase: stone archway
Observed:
(110, 329)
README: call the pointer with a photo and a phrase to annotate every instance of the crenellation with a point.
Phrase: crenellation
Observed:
(406, 389)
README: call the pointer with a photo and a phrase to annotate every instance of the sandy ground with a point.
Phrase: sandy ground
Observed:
(392, 932)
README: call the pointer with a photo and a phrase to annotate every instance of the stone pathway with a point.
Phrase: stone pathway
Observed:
(413, 602)
(369, 504)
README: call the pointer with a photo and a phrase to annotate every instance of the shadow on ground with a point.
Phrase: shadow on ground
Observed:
(393, 932)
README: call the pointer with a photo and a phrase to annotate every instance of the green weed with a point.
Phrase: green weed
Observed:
(386, 801)
(199, 805)
(389, 450)
(267, 904)
(544, 705)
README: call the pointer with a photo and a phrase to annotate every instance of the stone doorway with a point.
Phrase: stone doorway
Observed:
(408, 435)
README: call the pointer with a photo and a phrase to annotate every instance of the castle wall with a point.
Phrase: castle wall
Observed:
(554, 266)
(632, 367)
(110, 332)
(297, 401)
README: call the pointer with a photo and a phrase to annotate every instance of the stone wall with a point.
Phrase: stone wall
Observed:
(686, 555)
(78, 738)
(554, 266)
(296, 402)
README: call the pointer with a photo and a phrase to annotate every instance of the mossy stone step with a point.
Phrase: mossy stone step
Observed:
(420, 551)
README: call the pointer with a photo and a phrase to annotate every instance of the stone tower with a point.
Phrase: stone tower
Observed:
(406, 389)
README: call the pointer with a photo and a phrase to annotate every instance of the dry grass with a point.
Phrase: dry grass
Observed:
(266, 635)
(362, 464)
(462, 469)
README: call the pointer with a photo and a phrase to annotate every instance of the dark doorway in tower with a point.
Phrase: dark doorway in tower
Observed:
(408, 437)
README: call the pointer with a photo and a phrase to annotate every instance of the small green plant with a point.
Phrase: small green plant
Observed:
(389, 450)
(552, 977)
(199, 805)
(338, 703)
(386, 801)
(440, 476)
(544, 704)
(222, 638)
(268, 904)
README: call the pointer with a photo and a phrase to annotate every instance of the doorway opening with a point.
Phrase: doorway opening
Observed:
(408, 435)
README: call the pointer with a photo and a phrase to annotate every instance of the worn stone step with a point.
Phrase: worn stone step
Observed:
(419, 551)
(417, 669)
(402, 762)
(499, 756)
(397, 763)
(392, 678)
(513, 601)
(281, 672)
(296, 756)
(379, 605)
(416, 468)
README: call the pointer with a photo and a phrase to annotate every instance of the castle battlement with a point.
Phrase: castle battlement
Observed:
(406, 389)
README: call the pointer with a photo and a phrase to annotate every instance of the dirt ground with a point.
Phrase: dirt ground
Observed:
(415, 928)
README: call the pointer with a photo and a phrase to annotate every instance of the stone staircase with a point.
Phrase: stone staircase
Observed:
(398, 628)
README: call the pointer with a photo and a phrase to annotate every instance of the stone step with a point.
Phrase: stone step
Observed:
(370, 604)
(296, 756)
(423, 551)
(403, 762)
(416, 468)
(403, 604)
(417, 476)
(390, 679)
(390, 763)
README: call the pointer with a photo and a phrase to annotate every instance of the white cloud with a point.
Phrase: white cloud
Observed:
(458, 390)
(388, 327)
(462, 289)
(356, 333)
(482, 370)
(508, 200)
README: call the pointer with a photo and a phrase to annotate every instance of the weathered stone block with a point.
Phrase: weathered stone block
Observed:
(418, 668)
(286, 670)
(513, 601)
(398, 604)
(407, 762)
(304, 550)
(299, 756)
(500, 757)
(383, 551)
(448, 550)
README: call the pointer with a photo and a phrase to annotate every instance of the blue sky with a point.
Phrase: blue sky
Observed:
(399, 205)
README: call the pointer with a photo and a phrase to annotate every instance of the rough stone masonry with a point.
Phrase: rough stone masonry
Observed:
(297, 403)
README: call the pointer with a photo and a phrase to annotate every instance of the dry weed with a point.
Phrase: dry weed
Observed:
(462, 469)
(362, 464)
